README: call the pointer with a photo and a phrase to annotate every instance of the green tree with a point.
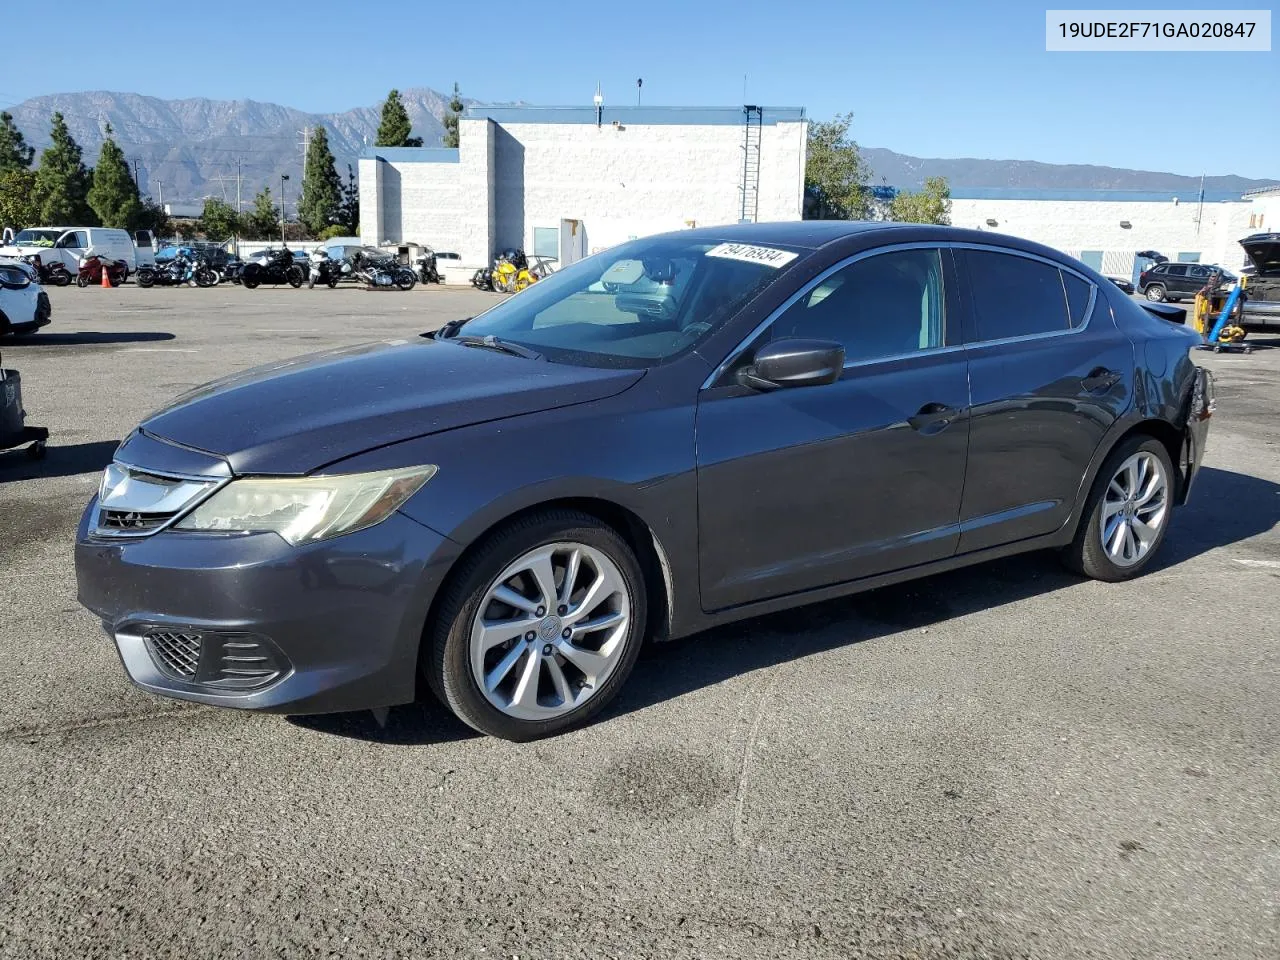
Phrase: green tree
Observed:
(336, 230)
(321, 201)
(451, 118)
(187, 229)
(219, 219)
(151, 216)
(350, 212)
(114, 195)
(394, 128)
(263, 221)
(835, 175)
(62, 182)
(19, 206)
(14, 152)
(930, 205)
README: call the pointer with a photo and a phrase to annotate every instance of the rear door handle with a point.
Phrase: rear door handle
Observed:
(1100, 380)
(932, 418)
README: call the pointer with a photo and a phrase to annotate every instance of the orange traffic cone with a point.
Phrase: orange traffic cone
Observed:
(106, 278)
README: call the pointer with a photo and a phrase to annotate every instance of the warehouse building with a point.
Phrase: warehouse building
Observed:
(564, 182)
(1106, 229)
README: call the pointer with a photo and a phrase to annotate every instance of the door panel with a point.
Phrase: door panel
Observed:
(808, 486)
(1040, 408)
(803, 487)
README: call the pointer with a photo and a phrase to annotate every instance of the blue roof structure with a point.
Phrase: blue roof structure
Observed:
(681, 116)
(411, 154)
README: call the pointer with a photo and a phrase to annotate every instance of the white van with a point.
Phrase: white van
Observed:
(69, 244)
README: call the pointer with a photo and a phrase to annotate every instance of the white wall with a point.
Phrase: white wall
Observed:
(1074, 226)
(620, 182)
(634, 180)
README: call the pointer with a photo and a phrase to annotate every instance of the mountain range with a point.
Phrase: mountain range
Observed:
(188, 149)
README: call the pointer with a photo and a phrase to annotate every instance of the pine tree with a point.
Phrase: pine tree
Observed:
(62, 182)
(321, 198)
(350, 214)
(19, 206)
(451, 118)
(114, 195)
(394, 129)
(263, 222)
(14, 152)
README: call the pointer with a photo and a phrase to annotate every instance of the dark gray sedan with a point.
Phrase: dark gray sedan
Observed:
(678, 432)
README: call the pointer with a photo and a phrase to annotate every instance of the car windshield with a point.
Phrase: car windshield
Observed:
(37, 238)
(637, 304)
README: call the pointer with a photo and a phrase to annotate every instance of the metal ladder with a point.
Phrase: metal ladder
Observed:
(753, 122)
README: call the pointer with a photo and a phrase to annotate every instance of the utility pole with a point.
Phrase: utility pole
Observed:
(283, 178)
(237, 185)
(305, 144)
(160, 187)
(136, 185)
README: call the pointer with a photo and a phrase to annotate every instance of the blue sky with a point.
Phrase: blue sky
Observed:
(947, 80)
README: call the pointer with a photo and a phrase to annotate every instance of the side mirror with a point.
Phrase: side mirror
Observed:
(794, 363)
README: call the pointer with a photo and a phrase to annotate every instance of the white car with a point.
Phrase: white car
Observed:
(24, 306)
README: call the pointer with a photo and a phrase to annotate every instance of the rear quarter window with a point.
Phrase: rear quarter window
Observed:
(1015, 296)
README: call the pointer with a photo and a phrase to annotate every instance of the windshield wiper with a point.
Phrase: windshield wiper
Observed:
(490, 342)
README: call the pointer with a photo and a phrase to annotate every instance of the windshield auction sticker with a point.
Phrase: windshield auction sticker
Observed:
(1157, 30)
(767, 256)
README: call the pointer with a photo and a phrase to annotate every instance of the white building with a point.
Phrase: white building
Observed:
(1107, 228)
(564, 182)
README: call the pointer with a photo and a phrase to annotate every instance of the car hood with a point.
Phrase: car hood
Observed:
(1263, 249)
(298, 415)
(24, 251)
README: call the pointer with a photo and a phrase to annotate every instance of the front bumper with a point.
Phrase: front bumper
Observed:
(336, 624)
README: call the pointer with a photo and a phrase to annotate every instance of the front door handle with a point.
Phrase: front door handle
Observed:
(932, 418)
(1100, 380)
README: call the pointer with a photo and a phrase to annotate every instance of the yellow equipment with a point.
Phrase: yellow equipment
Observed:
(1208, 310)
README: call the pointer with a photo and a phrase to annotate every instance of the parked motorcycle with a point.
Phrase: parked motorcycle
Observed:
(428, 272)
(326, 270)
(230, 271)
(176, 272)
(386, 272)
(278, 267)
(511, 272)
(92, 265)
(482, 279)
(53, 274)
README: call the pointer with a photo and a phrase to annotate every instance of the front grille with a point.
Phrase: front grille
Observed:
(177, 654)
(234, 661)
(132, 521)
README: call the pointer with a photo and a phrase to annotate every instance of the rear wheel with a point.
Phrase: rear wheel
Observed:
(1155, 293)
(146, 278)
(294, 276)
(82, 280)
(540, 628)
(1127, 514)
(332, 281)
(406, 279)
(61, 278)
(250, 279)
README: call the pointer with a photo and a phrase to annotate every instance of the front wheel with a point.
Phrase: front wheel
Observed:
(146, 278)
(1155, 293)
(1127, 513)
(61, 278)
(540, 627)
(405, 280)
(205, 278)
(82, 280)
(294, 276)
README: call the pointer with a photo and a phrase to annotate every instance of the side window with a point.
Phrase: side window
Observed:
(142, 239)
(1016, 296)
(885, 305)
(1177, 270)
(1078, 292)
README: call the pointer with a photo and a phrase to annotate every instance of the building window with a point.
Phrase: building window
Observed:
(546, 242)
(1253, 221)
(1092, 258)
(1189, 257)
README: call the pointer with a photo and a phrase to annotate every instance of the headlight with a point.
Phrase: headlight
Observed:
(304, 509)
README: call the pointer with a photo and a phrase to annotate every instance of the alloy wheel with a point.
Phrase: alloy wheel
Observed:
(549, 631)
(1134, 509)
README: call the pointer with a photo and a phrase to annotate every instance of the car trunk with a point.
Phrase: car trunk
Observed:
(1262, 302)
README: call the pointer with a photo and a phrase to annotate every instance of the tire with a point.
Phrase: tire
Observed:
(62, 278)
(1155, 292)
(294, 276)
(1087, 554)
(205, 278)
(116, 280)
(82, 280)
(146, 278)
(448, 655)
(250, 279)
(333, 281)
(311, 281)
(406, 280)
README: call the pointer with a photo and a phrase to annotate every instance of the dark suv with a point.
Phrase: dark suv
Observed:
(1174, 281)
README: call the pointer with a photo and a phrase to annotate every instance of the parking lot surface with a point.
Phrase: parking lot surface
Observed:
(1001, 762)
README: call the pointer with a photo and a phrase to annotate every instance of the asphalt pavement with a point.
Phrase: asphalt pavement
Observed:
(1001, 762)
